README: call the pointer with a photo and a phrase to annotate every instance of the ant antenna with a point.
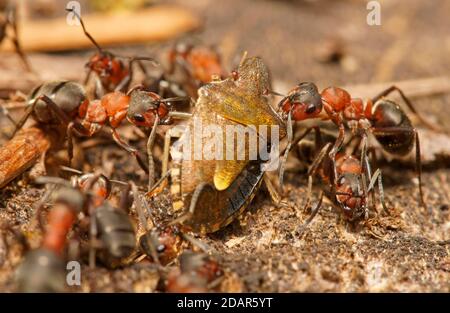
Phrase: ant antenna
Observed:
(84, 29)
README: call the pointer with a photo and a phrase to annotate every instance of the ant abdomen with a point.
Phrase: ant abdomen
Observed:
(116, 231)
(388, 120)
(66, 94)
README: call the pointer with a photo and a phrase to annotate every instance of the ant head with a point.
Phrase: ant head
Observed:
(166, 243)
(304, 102)
(144, 107)
(71, 197)
(98, 185)
(105, 65)
(200, 263)
(348, 164)
(348, 195)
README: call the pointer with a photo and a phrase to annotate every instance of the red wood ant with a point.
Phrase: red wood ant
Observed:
(383, 118)
(65, 103)
(200, 65)
(8, 20)
(162, 244)
(198, 273)
(354, 183)
(111, 225)
(43, 270)
(112, 73)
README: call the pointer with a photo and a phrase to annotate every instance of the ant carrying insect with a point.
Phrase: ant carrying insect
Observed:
(382, 117)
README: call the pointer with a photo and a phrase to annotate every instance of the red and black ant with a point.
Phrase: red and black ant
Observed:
(43, 269)
(198, 273)
(111, 225)
(112, 73)
(64, 103)
(199, 64)
(162, 244)
(8, 20)
(383, 118)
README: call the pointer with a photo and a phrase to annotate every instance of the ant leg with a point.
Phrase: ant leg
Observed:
(180, 115)
(60, 114)
(196, 243)
(400, 130)
(156, 187)
(419, 170)
(80, 130)
(408, 103)
(151, 161)
(138, 87)
(92, 241)
(24, 118)
(378, 177)
(274, 195)
(99, 89)
(139, 203)
(318, 160)
(192, 206)
(365, 165)
(336, 147)
(87, 77)
(302, 228)
(126, 200)
(6, 113)
(129, 149)
(125, 82)
(12, 20)
(286, 151)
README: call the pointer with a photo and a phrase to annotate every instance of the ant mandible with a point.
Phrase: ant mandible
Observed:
(383, 118)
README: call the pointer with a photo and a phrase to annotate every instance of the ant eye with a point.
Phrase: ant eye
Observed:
(161, 248)
(311, 108)
(139, 118)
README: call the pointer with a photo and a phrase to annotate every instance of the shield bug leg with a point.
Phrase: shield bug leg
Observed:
(274, 195)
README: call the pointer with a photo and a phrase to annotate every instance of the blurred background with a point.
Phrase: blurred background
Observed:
(326, 41)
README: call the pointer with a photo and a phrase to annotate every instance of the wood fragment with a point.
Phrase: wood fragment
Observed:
(21, 152)
(157, 23)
